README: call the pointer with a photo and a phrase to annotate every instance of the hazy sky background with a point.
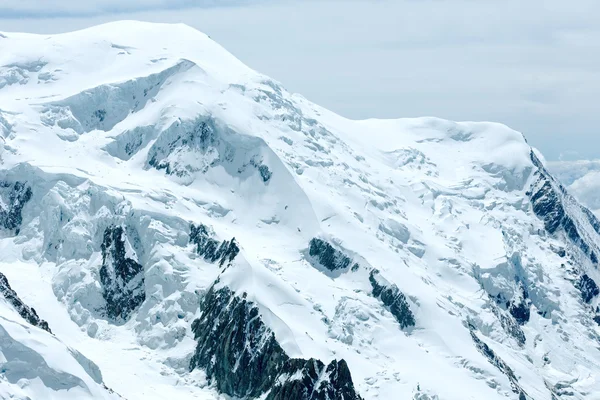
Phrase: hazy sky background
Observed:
(533, 65)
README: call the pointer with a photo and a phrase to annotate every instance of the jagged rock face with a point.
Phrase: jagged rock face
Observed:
(393, 299)
(122, 277)
(15, 196)
(328, 256)
(546, 205)
(311, 380)
(235, 347)
(240, 353)
(210, 248)
(589, 288)
(23, 309)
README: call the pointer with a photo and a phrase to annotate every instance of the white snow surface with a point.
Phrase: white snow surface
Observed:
(438, 207)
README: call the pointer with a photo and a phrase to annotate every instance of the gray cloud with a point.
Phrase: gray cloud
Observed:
(533, 65)
(61, 8)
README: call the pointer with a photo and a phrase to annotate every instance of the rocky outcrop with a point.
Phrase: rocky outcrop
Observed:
(242, 357)
(28, 313)
(14, 197)
(211, 249)
(312, 380)
(327, 256)
(392, 298)
(520, 306)
(121, 276)
(589, 289)
(235, 347)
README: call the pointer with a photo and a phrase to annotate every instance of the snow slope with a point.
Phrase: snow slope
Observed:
(196, 231)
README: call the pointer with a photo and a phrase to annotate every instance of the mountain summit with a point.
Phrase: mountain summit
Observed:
(174, 224)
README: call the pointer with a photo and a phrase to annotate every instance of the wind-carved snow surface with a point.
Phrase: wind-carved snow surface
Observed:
(189, 229)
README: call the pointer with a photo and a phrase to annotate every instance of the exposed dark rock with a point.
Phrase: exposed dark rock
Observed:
(327, 255)
(546, 205)
(393, 299)
(588, 288)
(265, 173)
(210, 248)
(122, 278)
(520, 306)
(28, 313)
(497, 362)
(241, 355)
(520, 311)
(312, 380)
(16, 198)
(100, 115)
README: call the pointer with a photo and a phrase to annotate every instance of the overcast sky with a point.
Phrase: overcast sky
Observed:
(533, 65)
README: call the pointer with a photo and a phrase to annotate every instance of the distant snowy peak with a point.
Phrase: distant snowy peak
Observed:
(198, 231)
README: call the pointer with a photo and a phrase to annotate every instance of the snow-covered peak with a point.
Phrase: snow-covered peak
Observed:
(163, 203)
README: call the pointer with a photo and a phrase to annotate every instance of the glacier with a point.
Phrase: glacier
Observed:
(174, 224)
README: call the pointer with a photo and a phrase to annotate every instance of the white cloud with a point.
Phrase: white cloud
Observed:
(582, 179)
(45, 8)
(533, 65)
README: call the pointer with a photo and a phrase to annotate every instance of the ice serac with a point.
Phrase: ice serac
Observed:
(105, 106)
(121, 276)
(23, 309)
(241, 354)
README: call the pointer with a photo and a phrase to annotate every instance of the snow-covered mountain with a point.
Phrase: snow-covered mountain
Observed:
(175, 225)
